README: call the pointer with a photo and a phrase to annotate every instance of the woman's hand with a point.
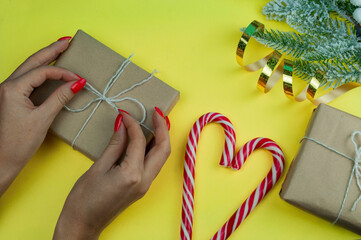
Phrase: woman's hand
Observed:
(109, 187)
(23, 126)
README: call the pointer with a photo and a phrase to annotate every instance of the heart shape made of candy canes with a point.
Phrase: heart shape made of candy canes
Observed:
(227, 160)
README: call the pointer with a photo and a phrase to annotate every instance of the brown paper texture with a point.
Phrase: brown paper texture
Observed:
(97, 64)
(317, 178)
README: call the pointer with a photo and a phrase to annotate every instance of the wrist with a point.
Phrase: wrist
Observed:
(71, 229)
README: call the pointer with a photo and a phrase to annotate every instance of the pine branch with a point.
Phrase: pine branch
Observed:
(279, 10)
(344, 8)
(289, 43)
(337, 73)
(340, 73)
(357, 58)
(311, 16)
(304, 69)
(336, 28)
(329, 38)
(344, 68)
(340, 51)
(310, 48)
(326, 40)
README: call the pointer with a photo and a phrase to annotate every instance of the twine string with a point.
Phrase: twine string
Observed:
(113, 99)
(356, 169)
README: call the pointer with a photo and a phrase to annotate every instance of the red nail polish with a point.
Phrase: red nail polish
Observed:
(118, 122)
(120, 110)
(78, 76)
(65, 38)
(78, 85)
(159, 111)
(168, 122)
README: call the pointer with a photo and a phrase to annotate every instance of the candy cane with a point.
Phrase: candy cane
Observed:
(227, 161)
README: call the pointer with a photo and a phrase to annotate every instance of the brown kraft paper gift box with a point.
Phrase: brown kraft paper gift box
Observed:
(97, 64)
(318, 177)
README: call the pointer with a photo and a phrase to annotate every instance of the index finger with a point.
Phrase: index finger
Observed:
(44, 56)
(36, 77)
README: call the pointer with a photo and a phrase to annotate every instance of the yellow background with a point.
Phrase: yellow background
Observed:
(192, 44)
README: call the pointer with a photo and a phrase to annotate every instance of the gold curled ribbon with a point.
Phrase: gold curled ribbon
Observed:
(276, 66)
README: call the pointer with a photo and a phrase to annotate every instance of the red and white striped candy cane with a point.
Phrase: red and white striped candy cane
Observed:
(227, 160)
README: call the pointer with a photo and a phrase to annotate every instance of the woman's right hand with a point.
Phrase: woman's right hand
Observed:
(108, 188)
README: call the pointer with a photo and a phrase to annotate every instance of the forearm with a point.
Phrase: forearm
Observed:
(70, 229)
(8, 172)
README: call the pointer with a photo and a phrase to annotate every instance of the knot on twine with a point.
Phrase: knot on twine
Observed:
(102, 97)
(356, 169)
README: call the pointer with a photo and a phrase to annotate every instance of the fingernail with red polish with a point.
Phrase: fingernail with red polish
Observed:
(120, 110)
(168, 122)
(78, 85)
(78, 76)
(65, 38)
(118, 122)
(159, 111)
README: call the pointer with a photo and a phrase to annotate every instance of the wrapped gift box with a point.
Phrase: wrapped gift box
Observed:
(318, 177)
(97, 64)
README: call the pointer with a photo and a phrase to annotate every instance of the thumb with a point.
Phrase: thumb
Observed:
(63, 94)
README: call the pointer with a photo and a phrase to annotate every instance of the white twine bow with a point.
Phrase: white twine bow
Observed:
(111, 100)
(356, 170)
